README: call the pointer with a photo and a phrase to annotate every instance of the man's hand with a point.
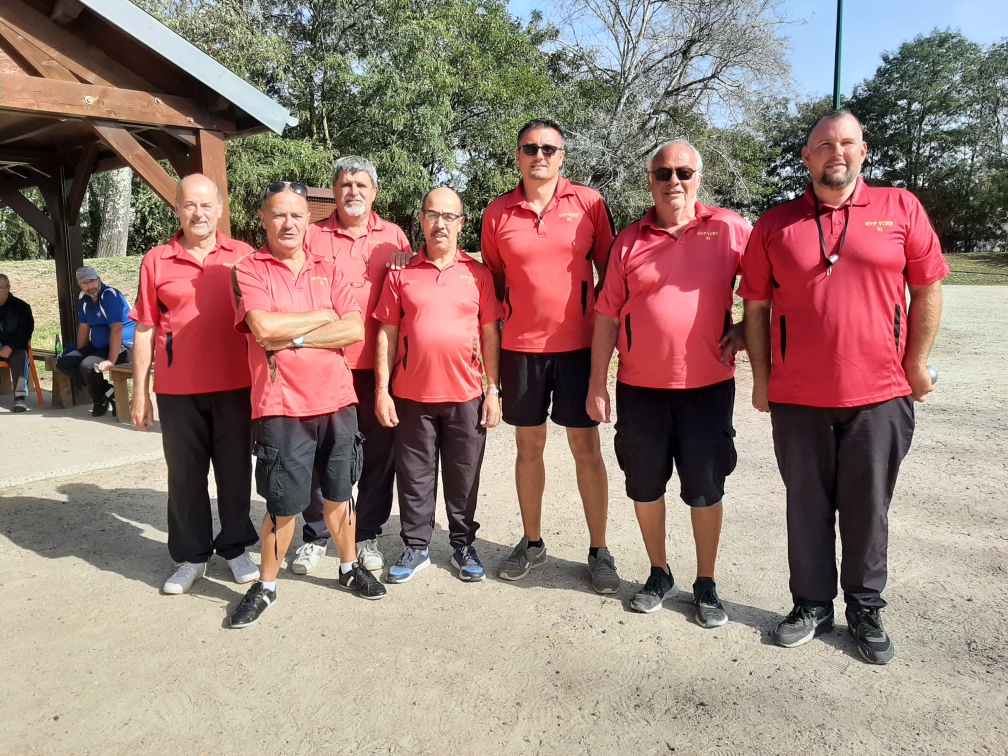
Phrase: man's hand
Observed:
(5, 352)
(919, 380)
(399, 260)
(102, 366)
(732, 342)
(142, 413)
(597, 403)
(385, 409)
(759, 396)
(491, 411)
(275, 345)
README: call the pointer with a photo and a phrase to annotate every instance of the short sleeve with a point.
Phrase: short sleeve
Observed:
(342, 300)
(925, 263)
(605, 233)
(146, 310)
(488, 243)
(613, 296)
(757, 272)
(741, 230)
(389, 309)
(81, 312)
(249, 292)
(490, 309)
(116, 306)
(403, 242)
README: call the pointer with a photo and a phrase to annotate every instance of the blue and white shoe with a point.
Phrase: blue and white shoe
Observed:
(468, 563)
(411, 562)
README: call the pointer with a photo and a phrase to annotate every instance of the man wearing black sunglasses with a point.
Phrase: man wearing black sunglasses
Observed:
(838, 360)
(666, 306)
(540, 241)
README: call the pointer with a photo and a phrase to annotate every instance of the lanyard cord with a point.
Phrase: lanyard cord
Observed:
(830, 259)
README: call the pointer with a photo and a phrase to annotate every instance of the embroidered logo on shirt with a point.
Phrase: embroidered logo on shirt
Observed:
(569, 217)
(467, 278)
(323, 279)
(708, 235)
(878, 225)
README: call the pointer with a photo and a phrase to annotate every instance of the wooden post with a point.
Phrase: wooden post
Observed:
(207, 157)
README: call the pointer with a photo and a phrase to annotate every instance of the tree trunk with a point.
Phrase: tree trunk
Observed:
(116, 214)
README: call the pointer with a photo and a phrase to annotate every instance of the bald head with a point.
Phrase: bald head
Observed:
(193, 180)
(199, 205)
(441, 218)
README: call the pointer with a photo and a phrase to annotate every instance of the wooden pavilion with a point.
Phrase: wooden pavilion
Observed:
(94, 85)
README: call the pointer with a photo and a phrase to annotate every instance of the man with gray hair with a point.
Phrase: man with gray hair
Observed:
(364, 247)
(667, 307)
(104, 333)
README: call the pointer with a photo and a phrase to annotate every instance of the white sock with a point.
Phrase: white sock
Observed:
(345, 567)
(269, 586)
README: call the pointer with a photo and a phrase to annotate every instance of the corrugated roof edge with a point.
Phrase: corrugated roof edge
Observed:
(152, 33)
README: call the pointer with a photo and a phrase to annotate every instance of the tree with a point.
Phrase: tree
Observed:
(114, 191)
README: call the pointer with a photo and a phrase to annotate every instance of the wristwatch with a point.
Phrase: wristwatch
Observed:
(493, 391)
(299, 341)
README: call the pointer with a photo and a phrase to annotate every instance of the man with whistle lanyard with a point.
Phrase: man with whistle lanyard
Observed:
(838, 360)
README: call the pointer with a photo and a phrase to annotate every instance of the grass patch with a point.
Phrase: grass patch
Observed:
(978, 269)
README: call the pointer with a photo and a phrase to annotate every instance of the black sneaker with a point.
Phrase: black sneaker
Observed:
(660, 587)
(803, 624)
(872, 640)
(251, 608)
(707, 608)
(363, 582)
(99, 408)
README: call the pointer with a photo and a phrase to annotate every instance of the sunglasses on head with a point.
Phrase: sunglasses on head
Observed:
(278, 186)
(665, 174)
(548, 150)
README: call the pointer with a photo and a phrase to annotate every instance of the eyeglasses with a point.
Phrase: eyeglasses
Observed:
(662, 175)
(278, 186)
(431, 216)
(548, 150)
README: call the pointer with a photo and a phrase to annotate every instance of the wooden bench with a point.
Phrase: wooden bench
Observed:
(62, 386)
(121, 375)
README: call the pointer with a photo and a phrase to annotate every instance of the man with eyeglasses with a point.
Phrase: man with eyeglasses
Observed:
(185, 325)
(838, 360)
(540, 241)
(667, 307)
(298, 313)
(438, 317)
(364, 247)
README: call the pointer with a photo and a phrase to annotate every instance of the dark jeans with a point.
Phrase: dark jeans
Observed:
(840, 461)
(374, 490)
(197, 430)
(79, 366)
(429, 435)
(18, 362)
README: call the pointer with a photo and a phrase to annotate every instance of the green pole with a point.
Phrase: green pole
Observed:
(836, 64)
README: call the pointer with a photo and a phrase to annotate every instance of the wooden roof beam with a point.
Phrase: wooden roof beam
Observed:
(65, 11)
(30, 94)
(27, 210)
(136, 157)
(44, 64)
(75, 197)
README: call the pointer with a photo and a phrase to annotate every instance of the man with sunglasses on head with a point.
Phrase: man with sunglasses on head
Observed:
(298, 313)
(364, 247)
(185, 325)
(540, 241)
(666, 306)
(838, 360)
(438, 317)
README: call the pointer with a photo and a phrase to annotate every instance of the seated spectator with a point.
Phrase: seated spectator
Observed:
(16, 327)
(103, 336)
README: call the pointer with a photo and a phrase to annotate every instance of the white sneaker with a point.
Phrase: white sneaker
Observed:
(186, 574)
(243, 568)
(308, 557)
(369, 555)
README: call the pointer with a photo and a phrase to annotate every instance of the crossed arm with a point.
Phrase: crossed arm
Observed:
(321, 329)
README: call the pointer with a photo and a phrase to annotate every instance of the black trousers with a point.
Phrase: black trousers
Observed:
(197, 430)
(374, 490)
(448, 434)
(840, 461)
(79, 366)
(18, 362)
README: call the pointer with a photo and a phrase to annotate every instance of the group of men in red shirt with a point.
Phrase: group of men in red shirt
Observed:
(280, 352)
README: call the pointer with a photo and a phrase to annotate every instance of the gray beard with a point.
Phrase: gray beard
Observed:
(355, 209)
(841, 181)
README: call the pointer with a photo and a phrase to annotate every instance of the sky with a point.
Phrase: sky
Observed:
(869, 29)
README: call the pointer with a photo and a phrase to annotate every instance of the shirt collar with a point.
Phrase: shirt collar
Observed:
(564, 188)
(859, 198)
(174, 246)
(421, 257)
(263, 253)
(333, 226)
(703, 213)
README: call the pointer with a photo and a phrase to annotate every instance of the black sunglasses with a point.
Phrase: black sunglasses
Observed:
(665, 174)
(278, 186)
(548, 150)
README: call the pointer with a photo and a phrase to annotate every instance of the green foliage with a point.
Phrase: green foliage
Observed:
(18, 240)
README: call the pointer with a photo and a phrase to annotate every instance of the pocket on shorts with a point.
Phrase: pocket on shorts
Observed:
(624, 451)
(729, 455)
(357, 458)
(268, 473)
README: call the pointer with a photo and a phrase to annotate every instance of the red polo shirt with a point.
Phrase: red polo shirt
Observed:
(294, 382)
(838, 340)
(439, 314)
(673, 298)
(364, 261)
(549, 300)
(188, 302)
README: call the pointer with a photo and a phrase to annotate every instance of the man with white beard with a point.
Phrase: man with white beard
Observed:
(364, 247)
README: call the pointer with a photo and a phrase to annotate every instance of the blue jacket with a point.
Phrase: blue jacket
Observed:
(111, 307)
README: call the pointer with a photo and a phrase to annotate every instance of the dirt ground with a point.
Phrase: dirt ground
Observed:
(95, 660)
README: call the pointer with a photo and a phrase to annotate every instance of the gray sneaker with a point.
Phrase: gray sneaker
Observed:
(522, 559)
(708, 611)
(20, 404)
(659, 588)
(603, 572)
(803, 624)
(369, 555)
